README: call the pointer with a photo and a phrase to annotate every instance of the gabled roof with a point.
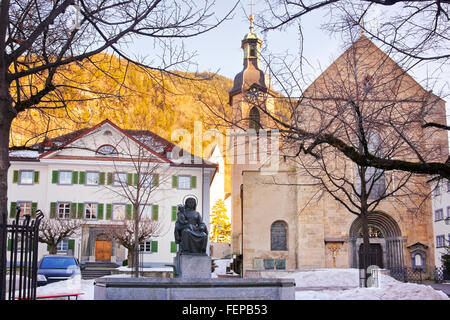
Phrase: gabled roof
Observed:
(152, 142)
(366, 48)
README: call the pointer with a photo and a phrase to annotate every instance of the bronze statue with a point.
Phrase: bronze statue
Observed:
(190, 232)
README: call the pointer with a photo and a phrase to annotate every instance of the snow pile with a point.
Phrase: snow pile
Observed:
(160, 269)
(329, 284)
(73, 285)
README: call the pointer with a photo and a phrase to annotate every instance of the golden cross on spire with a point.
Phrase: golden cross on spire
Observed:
(251, 15)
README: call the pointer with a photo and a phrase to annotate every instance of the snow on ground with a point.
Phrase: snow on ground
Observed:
(326, 284)
(73, 285)
(321, 284)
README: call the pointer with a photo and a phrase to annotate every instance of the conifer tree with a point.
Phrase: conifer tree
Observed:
(220, 223)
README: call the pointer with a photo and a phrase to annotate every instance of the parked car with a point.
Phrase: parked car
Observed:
(57, 268)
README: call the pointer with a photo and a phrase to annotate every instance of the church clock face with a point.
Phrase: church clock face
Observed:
(253, 94)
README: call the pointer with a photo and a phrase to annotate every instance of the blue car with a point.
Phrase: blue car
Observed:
(57, 268)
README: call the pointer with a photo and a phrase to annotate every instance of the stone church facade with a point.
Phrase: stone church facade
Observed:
(278, 223)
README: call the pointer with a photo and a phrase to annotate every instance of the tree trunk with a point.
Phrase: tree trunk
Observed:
(7, 115)
(52, 248)
(366, 245)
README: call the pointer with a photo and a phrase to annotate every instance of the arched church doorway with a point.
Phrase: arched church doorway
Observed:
(386, 242)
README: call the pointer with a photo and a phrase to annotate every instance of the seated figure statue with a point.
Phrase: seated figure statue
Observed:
(190, 231)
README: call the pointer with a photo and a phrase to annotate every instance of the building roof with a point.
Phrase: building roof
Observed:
(154, 143)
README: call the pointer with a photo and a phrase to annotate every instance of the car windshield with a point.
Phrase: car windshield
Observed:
(58, 263)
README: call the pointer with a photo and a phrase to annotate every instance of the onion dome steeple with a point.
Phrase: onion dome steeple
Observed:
(251, 74)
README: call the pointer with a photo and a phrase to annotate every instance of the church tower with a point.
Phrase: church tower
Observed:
(252, 91)
(251, 96)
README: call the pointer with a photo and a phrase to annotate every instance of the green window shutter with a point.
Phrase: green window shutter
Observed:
(173, 247)
(109, 178)
(80, 211)
(74, 177)
(130, 178)
(15, 176)
(134, 212)
(174, 181)
(48, 247)
(156, 180)
(135, 177)
(108, 211)
(12, 210)
(55, 176)
(101, 178)
(174, 213)
(129, 208)
(82, 177)
(36, 177)
(193, 182)
(71, 244)
(155, 210)
(73, 210)
(52, 210)
(100, 207)
(33, 209)
(154, 246)
(9, 244)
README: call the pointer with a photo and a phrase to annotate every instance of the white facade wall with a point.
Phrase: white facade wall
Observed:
(441, 201)
(165, 196)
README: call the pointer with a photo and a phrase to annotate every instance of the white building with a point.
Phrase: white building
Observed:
(441, 217)
(78, 176)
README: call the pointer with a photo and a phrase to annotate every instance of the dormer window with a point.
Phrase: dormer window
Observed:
(107, 150)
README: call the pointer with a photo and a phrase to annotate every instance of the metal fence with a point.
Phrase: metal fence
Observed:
(18, 276)
(440, 275)
(406, 274)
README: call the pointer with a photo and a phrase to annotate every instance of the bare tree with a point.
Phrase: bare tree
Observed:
(41, 40)
(54, 231)
(413, 32)
(138, 188)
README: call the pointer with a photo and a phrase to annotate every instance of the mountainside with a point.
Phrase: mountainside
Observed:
(130, 96)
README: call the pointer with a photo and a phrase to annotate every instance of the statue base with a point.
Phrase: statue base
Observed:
(190, 266)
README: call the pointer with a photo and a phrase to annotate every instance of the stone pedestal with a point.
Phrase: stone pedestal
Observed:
(189, 266)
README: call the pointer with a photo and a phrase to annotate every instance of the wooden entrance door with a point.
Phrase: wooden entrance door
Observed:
(103, 250)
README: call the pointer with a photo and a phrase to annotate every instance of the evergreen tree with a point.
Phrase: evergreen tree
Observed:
(220, 223)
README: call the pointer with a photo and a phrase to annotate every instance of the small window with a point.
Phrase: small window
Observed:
(146, 211)
(184, 182)
(63, 210)
(252, 52)
(448, 186)
(107, 150)
(65, 177)
(26, 177)
(107, 133)
(438, 215)
(25, 208)
(119, 212)
(63, 246)
(254, 119)
(367, 85)
(120, 178)
(146, 180)
(90, 211)
(146, 246)
(278, 236)
(92, 178)
(440, 241)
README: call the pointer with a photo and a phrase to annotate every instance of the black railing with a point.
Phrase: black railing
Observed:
(18, 276)
(440, 275)
(405, 274)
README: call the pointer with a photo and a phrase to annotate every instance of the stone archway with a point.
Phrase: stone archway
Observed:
(390, 240)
